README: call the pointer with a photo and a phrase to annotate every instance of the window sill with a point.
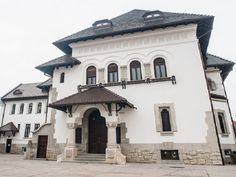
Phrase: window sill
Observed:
(167, 133)
(224, 135)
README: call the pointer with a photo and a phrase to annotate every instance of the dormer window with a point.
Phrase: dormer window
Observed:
(153, 16)
(17, 92)
(102, 24)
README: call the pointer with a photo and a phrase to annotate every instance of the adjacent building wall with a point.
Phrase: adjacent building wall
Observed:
(19, 141)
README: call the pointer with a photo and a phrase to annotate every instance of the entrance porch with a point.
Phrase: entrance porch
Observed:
(92, 119)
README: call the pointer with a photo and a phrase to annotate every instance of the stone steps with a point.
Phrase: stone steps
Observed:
(90, 158)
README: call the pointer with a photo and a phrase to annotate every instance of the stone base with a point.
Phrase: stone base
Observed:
(191, 154)
(114, 156)
(69, 154)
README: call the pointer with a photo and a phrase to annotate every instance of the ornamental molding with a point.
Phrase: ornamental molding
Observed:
(135, 41)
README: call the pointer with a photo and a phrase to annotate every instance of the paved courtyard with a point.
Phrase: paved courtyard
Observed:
(15, 166)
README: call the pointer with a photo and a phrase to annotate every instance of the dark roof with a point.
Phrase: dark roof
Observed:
(65, 60)
(225, 65)
(46, 84)
(9, 127)
(133, 21)
(94, 95)
(25, 91)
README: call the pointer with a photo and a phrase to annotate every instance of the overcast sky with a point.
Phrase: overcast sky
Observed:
(28, 28)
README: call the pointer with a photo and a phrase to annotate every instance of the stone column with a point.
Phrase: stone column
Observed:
(113, 150)
(70, 151)
(147, 67)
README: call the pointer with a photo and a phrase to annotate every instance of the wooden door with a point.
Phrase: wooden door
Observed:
(97, 134)
(8, 145)
(42, 146)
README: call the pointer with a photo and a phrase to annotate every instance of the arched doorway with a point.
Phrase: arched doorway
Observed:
(97, 133)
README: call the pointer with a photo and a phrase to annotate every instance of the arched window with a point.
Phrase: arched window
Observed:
(113, 73)
(135, 71)
(21, 108)
(165, 117)
(62, 78)
(91, 75)
(211, 84)
(160, 68)
(30, 108)
(13, 109)
(39, 108)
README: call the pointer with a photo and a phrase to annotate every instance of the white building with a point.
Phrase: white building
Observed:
(138, 88)
(24, 110)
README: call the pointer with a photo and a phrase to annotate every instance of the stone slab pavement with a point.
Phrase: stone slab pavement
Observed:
(16, 166)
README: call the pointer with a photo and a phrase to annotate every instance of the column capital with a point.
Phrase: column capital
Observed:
(71, 125)
(111, 124)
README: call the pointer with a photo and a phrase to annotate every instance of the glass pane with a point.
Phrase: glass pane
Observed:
(139, 75)
(93, 80)
(222, 123)
(163, 70)
(115, 77)
(133, 74)
(110, 77)
(165, 120)
(157, 70)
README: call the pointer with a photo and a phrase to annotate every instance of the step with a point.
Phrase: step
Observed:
(90, 158)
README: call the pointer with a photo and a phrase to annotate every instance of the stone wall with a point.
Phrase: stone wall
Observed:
(197, 154)
(2, 148)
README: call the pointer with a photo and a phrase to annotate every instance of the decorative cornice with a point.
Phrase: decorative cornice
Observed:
(150, 39)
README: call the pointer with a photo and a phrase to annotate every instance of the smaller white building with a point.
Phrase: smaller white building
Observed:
(24, 110)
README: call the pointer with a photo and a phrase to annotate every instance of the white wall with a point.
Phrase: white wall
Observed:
(223, 106)
(179, 47)
(24, 118)
(1, 110)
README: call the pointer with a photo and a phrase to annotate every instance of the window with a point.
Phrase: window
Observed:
(27, 130)
(211, 84)
(36, 126)
(78, 135)
(113, 73)
(18, 127)
(135, 70)
(13, 109)
(21, 108)
(39, 108)
(91, 75)
(169, 155)
(222, 123)
(62, 78)
(160, 68)
(165, 117)
(118, 135)
(30, 108)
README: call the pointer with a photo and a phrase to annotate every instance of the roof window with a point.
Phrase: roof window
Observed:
(153, 16)
(102, 24)
(18, 92)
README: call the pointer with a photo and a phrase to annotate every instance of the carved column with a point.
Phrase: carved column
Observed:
(113, 150)
(147, 67)
(70, 151)
(123, 72)
(101, 78)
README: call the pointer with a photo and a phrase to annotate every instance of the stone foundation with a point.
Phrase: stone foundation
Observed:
(194, 154)
(2, 148)
(15, 148)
